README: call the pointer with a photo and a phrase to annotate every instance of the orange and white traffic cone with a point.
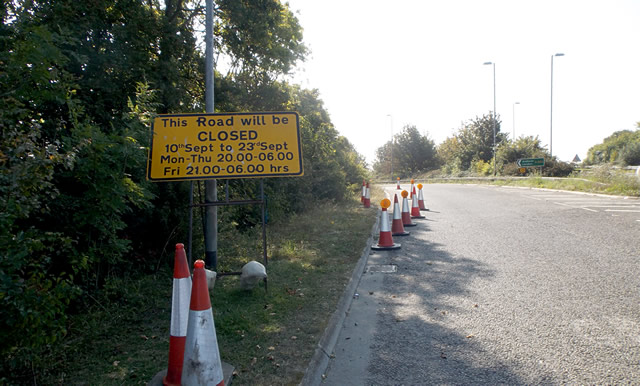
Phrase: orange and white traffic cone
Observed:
(385, 242)
(202, 364)
(364, 190)
(398, 184)
(411, 190)
(397, 229)
(367, 197)
(415, 209)
(406, 216)
(179, 316)
(421, 199)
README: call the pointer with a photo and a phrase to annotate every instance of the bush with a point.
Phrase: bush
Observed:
(555, 168)
(631, 154)
(483, 168)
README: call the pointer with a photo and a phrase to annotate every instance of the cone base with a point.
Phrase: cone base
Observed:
(409, 225)
(417, 217)
(424, 209)
(401, 234)
(227, 370)
(377, 247)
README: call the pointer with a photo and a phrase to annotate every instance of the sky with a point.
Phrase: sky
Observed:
(382, 65)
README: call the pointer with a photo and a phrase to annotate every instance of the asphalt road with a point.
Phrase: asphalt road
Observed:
(500, 286)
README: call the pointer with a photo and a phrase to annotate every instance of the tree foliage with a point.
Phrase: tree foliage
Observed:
(410, 153)
(80, 84)
(621, 147)
(470, 151)
(471, 144)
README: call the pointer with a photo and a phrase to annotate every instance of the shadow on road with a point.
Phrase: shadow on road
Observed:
(424, 333)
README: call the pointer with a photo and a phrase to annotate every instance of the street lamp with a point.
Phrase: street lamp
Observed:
(494, 114)
(514, 119)
(391, 166)
(551, 110)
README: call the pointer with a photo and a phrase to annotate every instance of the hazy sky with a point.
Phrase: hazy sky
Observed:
(421, 62)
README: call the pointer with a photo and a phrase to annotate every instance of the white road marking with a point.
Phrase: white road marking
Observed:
(615, 206)
(590, 210)
(555, 196)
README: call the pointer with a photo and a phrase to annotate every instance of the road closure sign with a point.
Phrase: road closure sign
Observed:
(229, 145)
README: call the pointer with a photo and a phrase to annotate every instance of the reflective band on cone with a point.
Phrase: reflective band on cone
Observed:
(411, 190)
(202, 365)
(385, 242)
(415, 209)
(406, 216)
(367, 197)
(421, 203)
(179, 316)
(397, 228)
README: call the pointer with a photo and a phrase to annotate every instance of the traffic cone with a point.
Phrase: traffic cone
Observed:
(415, 209)
(179, 316)
(367, 197)
(398, 184)
(411, 190)
(421, 199)
(385, 242)
(202, 365)
(364, 191)
(397, 229)
(406, 216)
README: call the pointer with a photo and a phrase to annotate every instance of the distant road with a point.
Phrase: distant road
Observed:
(500, 286)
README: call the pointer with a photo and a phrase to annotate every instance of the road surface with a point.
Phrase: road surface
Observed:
(500, 286)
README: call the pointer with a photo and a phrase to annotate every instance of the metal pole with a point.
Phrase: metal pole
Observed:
(551, 109)
(551, 114)
(494, 119)
(514, 120)
(391, 168)
(494, 114)
(211, 187)
(190, 241)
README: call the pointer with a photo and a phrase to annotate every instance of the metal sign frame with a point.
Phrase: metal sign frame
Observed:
(227, 202)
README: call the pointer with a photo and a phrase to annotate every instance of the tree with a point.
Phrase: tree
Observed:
(80, 81)
(449, 154)
(524, 147)
(412, 153)
(477, 139)
(619, 147)
(471, 144)
(262, 38)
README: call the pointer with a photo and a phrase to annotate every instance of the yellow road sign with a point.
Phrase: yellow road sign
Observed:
(229, 145)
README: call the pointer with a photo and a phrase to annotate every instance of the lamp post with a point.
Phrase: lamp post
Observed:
(514, 119)
(551, 110)
(391, 166)
(494, 114)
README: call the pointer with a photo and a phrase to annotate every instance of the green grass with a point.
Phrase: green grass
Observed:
(603, 180)
(618, 185)
(269, 336)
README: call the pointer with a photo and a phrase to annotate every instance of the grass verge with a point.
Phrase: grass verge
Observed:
(602, 180)
(269, 336)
